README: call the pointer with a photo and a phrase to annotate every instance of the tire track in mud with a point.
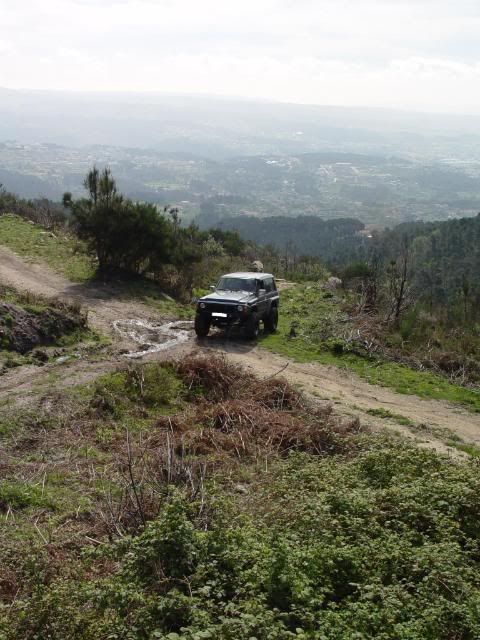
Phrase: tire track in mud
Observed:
(153, 336)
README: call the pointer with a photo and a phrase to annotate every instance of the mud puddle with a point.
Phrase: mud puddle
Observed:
(153, 337)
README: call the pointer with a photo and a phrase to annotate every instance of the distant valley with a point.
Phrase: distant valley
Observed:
(218, 158)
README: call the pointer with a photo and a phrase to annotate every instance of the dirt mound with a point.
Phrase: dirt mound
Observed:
(24, 328)
(244, 429)
(237, 414)
(215, 378)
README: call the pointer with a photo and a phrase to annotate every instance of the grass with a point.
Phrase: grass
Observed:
(11, 360)
(169, 308)
(471, 449)
(388, 415)
(21, 495)
(62, 455)
(63, 254)
(150, 385)
(320, 323)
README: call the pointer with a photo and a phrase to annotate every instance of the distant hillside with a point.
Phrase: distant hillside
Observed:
(335, 241)
(331, 184)
(28, 186)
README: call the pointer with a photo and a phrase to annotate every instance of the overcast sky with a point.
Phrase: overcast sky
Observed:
(409, 54)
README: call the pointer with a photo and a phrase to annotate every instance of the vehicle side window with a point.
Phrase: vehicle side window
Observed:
(268, 285)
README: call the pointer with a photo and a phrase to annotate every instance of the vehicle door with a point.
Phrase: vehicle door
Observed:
(273, 294)
(261, 298)
(262, 293)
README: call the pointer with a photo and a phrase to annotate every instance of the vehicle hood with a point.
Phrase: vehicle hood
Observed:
(236, 297)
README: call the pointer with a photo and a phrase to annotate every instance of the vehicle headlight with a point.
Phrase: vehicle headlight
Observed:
(202, 305)
(240, 307)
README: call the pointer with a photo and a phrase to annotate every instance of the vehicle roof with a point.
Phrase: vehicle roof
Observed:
(247, 274)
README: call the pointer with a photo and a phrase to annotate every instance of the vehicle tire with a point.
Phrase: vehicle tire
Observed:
(252, 327)
(271, 321)
(202, 325)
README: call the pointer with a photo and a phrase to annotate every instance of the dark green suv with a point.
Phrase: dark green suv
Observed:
(244, 298)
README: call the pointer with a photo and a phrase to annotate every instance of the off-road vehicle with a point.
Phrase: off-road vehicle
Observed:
(245, 298)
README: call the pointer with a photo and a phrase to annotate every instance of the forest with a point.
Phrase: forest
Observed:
(443, 258)
(444, 261)
(335, 241)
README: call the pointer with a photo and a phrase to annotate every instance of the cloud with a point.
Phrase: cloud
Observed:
(406, 53)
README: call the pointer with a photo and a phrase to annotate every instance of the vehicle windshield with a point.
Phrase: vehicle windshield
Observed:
(236, 284)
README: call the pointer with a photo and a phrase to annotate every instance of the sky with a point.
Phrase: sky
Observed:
(421, 55)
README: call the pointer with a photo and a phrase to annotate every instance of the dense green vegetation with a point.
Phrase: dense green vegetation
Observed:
(444, 263)
(189, 501)
(402, 571)
(334, 241)
(419, 284)
(125, 235)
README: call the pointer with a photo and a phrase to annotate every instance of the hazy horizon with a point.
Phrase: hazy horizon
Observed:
(93, 93)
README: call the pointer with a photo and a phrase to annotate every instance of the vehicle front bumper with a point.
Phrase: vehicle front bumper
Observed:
(224, 314)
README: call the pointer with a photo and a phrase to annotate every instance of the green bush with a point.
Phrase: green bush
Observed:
(153, 385)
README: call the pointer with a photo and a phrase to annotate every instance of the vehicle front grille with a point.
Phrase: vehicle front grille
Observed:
(221, 308)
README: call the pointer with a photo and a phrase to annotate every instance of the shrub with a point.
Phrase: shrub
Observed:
(381, 546)
(212, 377)
(153, 385)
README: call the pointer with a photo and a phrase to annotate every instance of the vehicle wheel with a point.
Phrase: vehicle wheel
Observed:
(202, 325)
(271, 321)
(252, 327)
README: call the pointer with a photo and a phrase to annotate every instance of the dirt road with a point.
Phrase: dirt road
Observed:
(103, 308)
(351, 395)
(432, 420)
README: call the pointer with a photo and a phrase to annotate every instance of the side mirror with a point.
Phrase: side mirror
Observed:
(262, 292)
(212, 287)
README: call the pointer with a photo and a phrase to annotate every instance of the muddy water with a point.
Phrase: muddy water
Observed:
(152, 336)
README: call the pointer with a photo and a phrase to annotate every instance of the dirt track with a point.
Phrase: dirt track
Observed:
(99, 299)
(350, 394)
